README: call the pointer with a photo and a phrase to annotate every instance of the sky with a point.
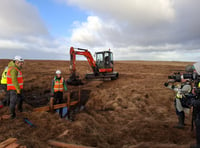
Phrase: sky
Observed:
(150, 30)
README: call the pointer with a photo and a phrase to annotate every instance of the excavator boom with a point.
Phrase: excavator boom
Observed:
(83, 52)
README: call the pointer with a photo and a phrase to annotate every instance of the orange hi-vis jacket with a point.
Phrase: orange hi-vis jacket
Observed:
(10, 85)
(58, 85)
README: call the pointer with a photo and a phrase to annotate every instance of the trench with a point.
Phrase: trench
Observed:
(40, 98)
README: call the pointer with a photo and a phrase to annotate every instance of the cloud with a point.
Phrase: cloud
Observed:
(92, 33)
(133, 29)
(34, 47)
(23, 32)
(158, 29)
(19, 18)
(131, 11)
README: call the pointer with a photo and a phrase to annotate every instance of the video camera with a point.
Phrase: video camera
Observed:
(177, 76)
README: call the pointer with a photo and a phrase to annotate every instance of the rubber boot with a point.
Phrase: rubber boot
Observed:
(71, 116)
(12, 115)
(60, 112)
(180, 125)
(182, 118)
(19, 107)
(20, 103)
(197, 123)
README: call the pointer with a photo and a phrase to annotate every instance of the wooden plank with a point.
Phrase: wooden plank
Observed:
(64, 133)
(66, 145)
(68, 105)
(39, 109)
(13, 145)
(7, 142)
(4, 117)
(51, 104)
(57, 106)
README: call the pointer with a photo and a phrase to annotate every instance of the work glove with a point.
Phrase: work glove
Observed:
(166, 84)
(18, 91)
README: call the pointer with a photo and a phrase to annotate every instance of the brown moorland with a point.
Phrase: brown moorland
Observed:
(134, 111)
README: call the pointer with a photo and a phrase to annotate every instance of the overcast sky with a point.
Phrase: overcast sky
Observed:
(166, 30)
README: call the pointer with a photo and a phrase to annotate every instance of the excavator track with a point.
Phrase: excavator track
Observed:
(112, 76)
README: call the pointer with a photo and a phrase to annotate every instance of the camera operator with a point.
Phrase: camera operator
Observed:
(183, 94)
(195, 102)
(192, 72)
(196, 112)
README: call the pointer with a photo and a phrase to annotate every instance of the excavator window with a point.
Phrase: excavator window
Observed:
(99, 60)
(111, 57)
(104, 59)
(107, 59)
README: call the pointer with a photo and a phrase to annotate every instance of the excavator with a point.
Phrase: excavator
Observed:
(102, 68)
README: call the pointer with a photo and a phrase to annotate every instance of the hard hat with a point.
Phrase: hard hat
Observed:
(18, 58)
(58, 72)
(189, 68)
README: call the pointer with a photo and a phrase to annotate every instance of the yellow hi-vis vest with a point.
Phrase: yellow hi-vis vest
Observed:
(10, 85)
(4, 77)
(199, 85)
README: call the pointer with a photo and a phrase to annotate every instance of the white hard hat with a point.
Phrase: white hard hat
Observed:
(58, 72)
(18, 58)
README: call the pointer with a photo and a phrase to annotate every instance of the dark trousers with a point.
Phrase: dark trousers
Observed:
(6, 100)
(4, 87)
(15, 99)
(58, 98)
(197, 123)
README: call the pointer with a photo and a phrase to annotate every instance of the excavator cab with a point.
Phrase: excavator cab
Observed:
(104, 61)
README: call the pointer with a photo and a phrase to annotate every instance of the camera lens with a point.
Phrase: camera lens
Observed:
(187, 76)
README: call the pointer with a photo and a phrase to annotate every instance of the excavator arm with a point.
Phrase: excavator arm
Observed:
(84, 52)
(74, 79)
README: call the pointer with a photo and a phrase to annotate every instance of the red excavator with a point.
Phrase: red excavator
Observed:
(102, 68)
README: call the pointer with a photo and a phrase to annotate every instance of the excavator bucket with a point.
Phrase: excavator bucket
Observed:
(74, 80)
